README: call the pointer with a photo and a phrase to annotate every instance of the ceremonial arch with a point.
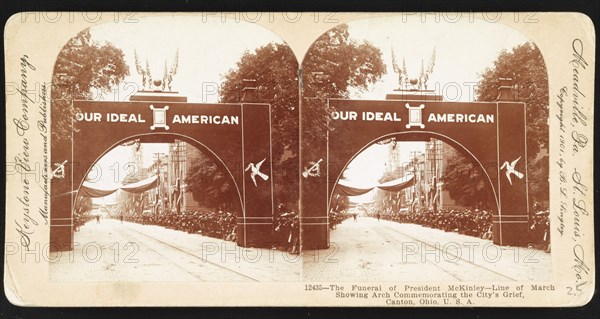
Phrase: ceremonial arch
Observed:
(492, 134)
(236, 136)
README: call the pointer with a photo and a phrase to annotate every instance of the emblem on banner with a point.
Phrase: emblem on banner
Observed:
(255, 170)
(314, 170)
(415, 116)
(510, 169)
(59, 171)
(159, 117)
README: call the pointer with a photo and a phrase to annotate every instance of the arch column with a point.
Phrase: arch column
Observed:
(511, 224)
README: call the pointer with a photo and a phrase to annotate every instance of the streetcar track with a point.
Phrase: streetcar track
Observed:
(203, 260)
(382, 233)
(128, 237)
(379, 231)
(454, 255)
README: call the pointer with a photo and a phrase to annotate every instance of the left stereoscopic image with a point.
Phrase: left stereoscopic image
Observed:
(174, 154)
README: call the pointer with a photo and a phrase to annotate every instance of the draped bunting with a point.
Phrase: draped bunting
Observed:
(345, 187)
(398, 184)
(141, 186)
(90, 190)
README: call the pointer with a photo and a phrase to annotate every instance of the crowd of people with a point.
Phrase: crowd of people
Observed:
(222, 225)
(335, 218)
(80, 219)
(539, 230)
(216, 224)
(212, 223)
(287, 232)
(472, 222)
(477, 223)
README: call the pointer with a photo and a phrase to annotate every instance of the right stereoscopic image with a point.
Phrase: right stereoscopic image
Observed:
(424, 153)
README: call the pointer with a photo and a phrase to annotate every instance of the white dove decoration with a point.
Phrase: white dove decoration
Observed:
(510, 169)
(255, 170)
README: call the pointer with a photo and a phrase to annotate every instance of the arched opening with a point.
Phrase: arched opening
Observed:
(412, 177)
(163, 179)
(388, 227)
(423, 136)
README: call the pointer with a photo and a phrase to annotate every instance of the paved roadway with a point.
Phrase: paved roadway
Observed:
(114, 251)
(372, 250)
(366, 250)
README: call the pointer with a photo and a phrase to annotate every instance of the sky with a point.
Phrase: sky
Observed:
(112, 168)
(463, 51)
(208, 49)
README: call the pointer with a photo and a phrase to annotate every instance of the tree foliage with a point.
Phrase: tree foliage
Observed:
(210, 184)
(387, 176)
(525, 65)
(84, 69)
(84, 205)
(465, 181)
(275, 69)
(334, 64)
(344, 63)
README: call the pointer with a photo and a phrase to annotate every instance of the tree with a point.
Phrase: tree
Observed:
(465, 181)
(525, 65)
(84, 68)
(334, 64)
(343, 62)
(275, 69)
(210, 184)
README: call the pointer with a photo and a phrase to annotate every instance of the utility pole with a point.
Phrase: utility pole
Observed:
(159, 184)
(416, 193)
(435, 179)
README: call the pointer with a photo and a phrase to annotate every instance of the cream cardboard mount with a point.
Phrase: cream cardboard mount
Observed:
(313, 159)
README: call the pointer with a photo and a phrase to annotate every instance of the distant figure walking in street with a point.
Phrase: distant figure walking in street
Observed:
(378, 216)
(354, 216)
(121, 218)
(97, 219)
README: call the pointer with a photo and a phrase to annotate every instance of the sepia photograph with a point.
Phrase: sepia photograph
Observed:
(175, 159)
(426, 154)
(299, 159)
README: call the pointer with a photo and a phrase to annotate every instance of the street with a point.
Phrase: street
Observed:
(372, 250)
(115, 251)
(365, 250)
